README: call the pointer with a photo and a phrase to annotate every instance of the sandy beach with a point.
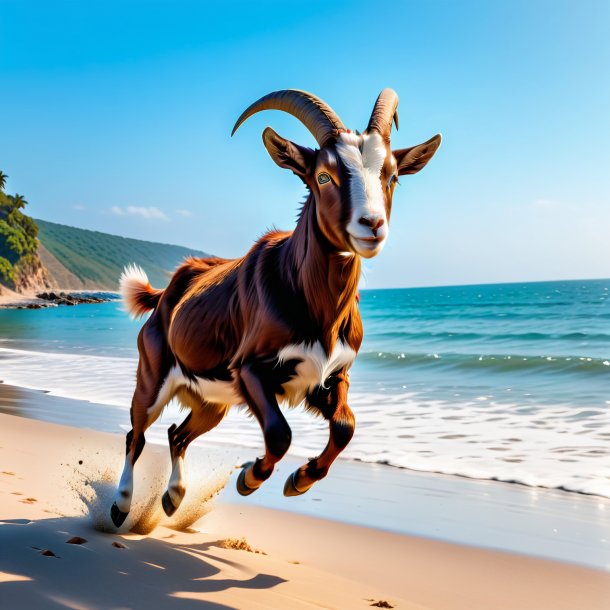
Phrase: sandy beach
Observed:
(11, 300)
(56, 482)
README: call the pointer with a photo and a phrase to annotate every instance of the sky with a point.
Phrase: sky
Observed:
(116, 116)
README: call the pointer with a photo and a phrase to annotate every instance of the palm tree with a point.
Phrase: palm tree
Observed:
(3, 178)
(19, 201)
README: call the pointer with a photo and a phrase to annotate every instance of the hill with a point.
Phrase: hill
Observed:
(82, 259)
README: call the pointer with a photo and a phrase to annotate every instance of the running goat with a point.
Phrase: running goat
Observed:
(281, 324)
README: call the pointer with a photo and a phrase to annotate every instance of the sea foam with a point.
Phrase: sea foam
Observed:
(537, 445)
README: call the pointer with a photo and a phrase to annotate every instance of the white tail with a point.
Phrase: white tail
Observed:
(137, 293)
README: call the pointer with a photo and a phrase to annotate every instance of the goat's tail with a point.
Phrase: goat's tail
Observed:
(138, 295)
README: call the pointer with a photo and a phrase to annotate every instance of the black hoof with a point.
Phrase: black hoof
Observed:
(168, 505)
(242, 488)
(290, 489)
(118, 517)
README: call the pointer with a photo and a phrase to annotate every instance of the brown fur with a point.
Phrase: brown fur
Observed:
(227, 320)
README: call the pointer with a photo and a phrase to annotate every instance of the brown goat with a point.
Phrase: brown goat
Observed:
(281, 324)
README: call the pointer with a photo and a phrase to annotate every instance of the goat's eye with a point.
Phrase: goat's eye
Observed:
(323, 178)
(392, 179)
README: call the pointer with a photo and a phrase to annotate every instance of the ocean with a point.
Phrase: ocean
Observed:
(509, 382)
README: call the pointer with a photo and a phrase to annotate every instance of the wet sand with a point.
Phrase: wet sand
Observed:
(551, 524)
(56, 482)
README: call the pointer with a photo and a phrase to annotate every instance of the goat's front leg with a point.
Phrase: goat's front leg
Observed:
(259, 392)
(332, 402)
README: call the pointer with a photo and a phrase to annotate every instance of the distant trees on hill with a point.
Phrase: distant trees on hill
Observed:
(18, 238)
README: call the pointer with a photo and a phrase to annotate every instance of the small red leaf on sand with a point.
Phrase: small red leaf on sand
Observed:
(76, 540)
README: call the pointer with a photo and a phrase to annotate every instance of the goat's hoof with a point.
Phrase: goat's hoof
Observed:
(168, 505)
(290, 488)
(117, 515)
(242, 488)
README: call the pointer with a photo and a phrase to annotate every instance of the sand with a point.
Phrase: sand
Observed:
(56, 483)
(10, 299)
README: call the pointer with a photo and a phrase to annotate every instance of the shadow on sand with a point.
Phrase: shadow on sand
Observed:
(148, 573)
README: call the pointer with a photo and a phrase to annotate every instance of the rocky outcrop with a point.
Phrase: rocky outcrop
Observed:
(32, 276)
(65, 298)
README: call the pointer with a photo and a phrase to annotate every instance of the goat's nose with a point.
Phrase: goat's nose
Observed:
(374, 221)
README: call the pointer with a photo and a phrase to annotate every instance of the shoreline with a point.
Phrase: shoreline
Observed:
(553, 524)
(30, 300)
(57, 480)
(16, 300)
(506, 459)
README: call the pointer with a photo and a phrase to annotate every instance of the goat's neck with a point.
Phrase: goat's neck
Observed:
(328, 279)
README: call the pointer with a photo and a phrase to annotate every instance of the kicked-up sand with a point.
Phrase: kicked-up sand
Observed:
(58, 548)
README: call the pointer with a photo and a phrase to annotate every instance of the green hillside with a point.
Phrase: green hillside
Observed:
(95, 260)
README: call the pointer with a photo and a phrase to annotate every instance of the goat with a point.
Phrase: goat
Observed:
(281, 324)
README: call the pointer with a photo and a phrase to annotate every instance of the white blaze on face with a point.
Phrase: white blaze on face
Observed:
(365, 188)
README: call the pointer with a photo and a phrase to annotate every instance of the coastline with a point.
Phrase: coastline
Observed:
(15, 300)
(552, 524)
(43, 298)
(56, 480)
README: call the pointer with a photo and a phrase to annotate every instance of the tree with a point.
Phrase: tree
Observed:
(19, 201)
(7, 273)
(18, 240)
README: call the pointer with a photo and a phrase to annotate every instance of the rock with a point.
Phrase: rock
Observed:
(64, 298)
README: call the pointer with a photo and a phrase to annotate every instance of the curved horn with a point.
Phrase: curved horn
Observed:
(383, 114)
(317, 116)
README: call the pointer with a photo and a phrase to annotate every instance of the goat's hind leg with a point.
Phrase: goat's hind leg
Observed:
(153, 391)
(135, 442)
(202, 418)
(122, 502)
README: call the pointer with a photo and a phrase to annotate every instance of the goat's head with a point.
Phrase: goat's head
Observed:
(352, 176)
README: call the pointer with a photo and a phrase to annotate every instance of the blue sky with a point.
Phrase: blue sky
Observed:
(116, 116)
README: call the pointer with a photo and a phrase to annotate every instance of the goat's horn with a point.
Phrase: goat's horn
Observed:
(383, 114)
(317, 116)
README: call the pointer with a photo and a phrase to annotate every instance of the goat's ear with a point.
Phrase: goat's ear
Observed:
(288, 154)
(411, 160)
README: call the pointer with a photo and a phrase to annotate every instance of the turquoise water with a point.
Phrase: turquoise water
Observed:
(549, 342)
(504, 381)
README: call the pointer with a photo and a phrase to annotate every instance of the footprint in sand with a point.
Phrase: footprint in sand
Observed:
(118, 545)
(28, 501)
(77, 540)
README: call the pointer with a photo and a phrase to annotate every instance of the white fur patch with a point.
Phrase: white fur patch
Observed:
(213, 390)
(366, 190)
(210, 390)
(125, 489)
(175, 486)
(171, 383)
(314, 369)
